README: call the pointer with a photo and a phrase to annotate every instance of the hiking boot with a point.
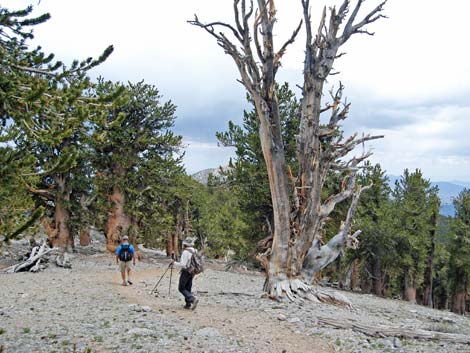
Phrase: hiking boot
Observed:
(187, 306)
(195, 302)
(124, 283)
(129, 281)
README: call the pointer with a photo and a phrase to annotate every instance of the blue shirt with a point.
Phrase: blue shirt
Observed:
(131, 248)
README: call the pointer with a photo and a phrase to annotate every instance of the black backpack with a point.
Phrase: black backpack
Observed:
(125, 254)
(195, 265)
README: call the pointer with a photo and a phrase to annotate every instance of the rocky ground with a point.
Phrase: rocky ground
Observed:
(86, 309)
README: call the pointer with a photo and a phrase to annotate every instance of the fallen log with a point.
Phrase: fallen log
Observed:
(150, 251)
(236, 294)
(31, 263)
(383, 331)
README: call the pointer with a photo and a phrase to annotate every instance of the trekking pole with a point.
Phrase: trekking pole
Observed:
(171, 274)
(164, 273)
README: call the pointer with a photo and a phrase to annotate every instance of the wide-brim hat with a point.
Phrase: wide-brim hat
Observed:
(189, 241)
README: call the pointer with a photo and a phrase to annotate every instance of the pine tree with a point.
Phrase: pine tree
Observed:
(43, 110)
(247, 176)
(459, 264)
(429, 273)
(135, 156)
(377, 245)
(413, 211)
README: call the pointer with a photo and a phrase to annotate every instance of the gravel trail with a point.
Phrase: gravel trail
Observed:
(86, 309)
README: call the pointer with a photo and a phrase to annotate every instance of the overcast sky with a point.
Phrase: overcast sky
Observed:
(410, 82)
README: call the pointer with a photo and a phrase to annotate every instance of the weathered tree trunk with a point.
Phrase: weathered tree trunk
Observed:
(298, 220)
(428, 273)
(459, 294)
(377, 285)
(85, 202)
(273, 151)
(172, 245)
(409, 286)
(458, 302)
(169, 244)
(440, 295)
(385, 285)
(428, 280)
(118, 221)
(33, 262)
(354, 273)
(351, 280)
(58, 232)
(85, 238)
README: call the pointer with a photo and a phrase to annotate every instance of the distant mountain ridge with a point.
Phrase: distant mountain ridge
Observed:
(203, 175)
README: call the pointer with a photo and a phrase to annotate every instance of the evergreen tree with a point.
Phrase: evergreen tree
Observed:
(429, 273)
(221, 223)
(413, 210)
(443, 242)
(135, 158)
(377, 246)
(459, 263)
(247, 175)
(42, 111)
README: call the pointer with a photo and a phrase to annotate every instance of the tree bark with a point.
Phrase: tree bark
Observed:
(459, 295)
(377, 276)
(85, 238)
(118, 221)
(409, 286)
(383, 331)
(458, 302)
(58, 232)
(428, 281)
(172, 245)
(428, 273)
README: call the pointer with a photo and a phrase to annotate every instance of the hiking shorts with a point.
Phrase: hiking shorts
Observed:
(125, 265)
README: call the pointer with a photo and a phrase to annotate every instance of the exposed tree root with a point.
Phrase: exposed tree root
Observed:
(296, 290)
(383, 331)
(149, 251)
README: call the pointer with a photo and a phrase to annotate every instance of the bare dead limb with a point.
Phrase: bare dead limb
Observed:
(36, 254)
(319, 256)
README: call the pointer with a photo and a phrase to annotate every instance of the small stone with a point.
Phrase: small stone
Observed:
(208, 332)
(140, 332)
(135, 307)
(282, 317)
(397, 343)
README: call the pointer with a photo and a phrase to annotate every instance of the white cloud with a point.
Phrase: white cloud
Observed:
(434, 139)
(203, 155)
(406, 81)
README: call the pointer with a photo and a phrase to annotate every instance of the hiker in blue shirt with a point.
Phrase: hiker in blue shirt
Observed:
(124, 254)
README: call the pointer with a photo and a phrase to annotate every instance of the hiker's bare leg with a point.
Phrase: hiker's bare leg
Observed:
(129, 275)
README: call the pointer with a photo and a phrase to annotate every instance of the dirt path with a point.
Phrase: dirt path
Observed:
(251, 328)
